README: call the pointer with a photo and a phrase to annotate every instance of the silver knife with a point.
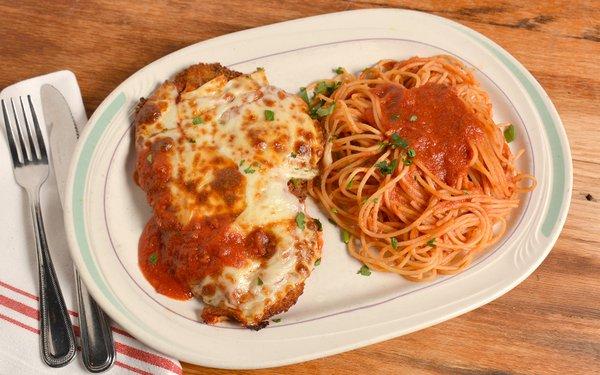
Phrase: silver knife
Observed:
(97, 344)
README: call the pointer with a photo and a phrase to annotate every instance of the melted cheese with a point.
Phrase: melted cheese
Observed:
(223, 124)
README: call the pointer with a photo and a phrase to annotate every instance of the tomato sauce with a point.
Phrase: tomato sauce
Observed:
(175, 257)
(435, 122)
(154, 267)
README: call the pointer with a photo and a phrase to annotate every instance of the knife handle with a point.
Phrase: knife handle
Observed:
(97, 344)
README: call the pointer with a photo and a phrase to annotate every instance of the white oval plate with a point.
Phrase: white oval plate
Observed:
(339, 310)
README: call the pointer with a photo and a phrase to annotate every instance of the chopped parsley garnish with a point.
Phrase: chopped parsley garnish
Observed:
(295, 182)
(387, 168)
(269, 115)
(509, 133)
(325, 111)
(364, 270)
(259, 281)
(345, 236)
(407, 161)
(153, 258)
(394, 242)
(349, 184)
(242, 162)
(398, 141)
(413, 118)
(304, 95)
(319, 225)
(293, 154)
(276, 320)
(326, 88)
(334, 210)
(431, 242)
(338, 70)
(411, 153)
(320, 88)
(197, 120)
(383, 144)
(394, 117)
(149, 158)
(300, 220)
(249, 170)
(317, 262)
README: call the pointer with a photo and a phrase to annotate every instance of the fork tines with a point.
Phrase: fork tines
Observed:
(29, 149)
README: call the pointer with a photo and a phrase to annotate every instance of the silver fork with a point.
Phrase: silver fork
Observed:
(30, 167)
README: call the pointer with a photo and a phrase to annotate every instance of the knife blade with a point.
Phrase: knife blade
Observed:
(97, 343)
(63, 133)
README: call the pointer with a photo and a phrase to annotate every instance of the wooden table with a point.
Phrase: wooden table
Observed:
(548, 324)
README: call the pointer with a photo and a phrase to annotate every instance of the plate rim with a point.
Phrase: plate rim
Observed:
(114, 101)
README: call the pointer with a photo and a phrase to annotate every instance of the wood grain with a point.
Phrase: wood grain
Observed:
(548, 324)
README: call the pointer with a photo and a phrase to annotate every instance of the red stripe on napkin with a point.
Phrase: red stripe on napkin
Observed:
(141, 355)
(127, 350)
(19, 307)
(17, 323)
(17, 290)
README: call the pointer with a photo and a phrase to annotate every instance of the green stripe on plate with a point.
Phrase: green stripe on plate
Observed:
(81, 172)
(556, 150)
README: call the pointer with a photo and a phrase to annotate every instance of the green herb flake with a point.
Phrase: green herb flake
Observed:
(276, 320)
(394, 117)
(387, 168)
(345, 236)
(249, 170)
(431, 242)
(314, 109)
(296, 182)
(394, 242)
(197, 120)
(383, 144)
(242, 162)
(411, 153)
(259, 281)
(149, 158)
(364, 270)
(413, 118)
(153, 259)
(398, 141)
(293, 154)
(317, 262)
(509, 133)
(407, 161)
(319, 225)
(304, 95)
(349, 184)
(321, 88)
(300, 220)
(334, 210)
(325, 111)
(269, 115)
(338, 70)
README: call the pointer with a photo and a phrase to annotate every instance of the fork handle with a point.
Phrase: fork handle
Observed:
(97, 344)
(56, 332)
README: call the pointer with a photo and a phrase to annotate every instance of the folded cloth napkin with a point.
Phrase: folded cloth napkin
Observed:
(19, 321)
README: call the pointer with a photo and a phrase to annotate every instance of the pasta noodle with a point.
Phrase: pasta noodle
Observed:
(415, 171)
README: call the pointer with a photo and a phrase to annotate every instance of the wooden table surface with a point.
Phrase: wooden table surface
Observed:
(548, 324)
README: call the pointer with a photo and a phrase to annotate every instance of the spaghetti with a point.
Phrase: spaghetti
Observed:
(415, 172)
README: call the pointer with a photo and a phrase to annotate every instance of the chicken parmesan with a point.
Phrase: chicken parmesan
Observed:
(224, 159)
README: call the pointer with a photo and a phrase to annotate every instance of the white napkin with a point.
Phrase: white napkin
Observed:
(19, 324)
